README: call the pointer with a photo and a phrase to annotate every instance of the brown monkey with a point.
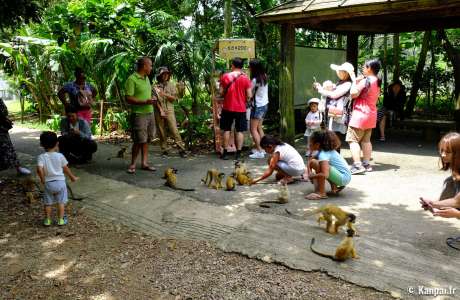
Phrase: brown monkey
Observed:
(240, 168)
(344, 251)
(171, 180)
(121, 153)
(341, 217)
(30, 187)
(244, 179)
(230, 183)
(213, 179)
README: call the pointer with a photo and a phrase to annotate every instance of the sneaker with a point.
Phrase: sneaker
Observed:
(62, 221)
(257, 154)
(165, 153)
(382, 139)
(368, 167)
(183, 154)
(24, 171)
(47, 222)
(224, 156)
(357, 170)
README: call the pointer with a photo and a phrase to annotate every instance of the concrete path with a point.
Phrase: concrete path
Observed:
(400, 246)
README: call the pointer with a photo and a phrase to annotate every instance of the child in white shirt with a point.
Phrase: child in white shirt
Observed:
(312, 121)
(51, 168)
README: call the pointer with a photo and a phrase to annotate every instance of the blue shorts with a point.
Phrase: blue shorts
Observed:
(287, 169)
(259, 112)
(55, 192)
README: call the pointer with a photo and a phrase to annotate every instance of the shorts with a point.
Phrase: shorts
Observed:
(142, 128)
(283, 166)
(227, 118)
(259, 112)
(336, 177)
(358, 135)
(55, 192)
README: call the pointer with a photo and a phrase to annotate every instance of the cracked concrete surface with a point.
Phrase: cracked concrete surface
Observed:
(399, 244)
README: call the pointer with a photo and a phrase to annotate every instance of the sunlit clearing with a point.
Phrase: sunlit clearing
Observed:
(378, 263)
(59, 272)
(53, 242)
(11, 255)
(13, 224)
(3, 241)
(129, 197)
(7, 235)
(105, 296)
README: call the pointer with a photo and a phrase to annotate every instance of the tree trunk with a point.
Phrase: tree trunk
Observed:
(286, 86)
(418, 75)
(433, 69)
(396, 55)
(228, 19)
(454, 57)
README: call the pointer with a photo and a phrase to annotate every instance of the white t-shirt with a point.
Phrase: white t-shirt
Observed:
(52, 163)
(290, 155)
(315, 117)
(261, 95)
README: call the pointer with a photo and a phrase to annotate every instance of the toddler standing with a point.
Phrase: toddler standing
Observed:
(312, 121)
(51, 167)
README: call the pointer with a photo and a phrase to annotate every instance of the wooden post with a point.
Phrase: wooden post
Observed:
(228, 18)
(286, 83)
(101, 111)
(385, 61)
(352, 49)
(396, 54)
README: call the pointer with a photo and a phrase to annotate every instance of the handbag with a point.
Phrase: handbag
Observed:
(84, 98)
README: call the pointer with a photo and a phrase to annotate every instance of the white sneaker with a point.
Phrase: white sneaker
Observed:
(24, 171)
(257, 154)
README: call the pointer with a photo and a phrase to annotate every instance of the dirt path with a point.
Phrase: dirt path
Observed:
(92, 259)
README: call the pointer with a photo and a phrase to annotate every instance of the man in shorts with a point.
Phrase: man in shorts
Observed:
(236, 89)
(138, 93)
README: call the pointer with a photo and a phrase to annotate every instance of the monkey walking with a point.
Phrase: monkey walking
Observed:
(344, 251)
(121, 153)
(213, 179)
(283, 197)
(171, 180)
(328, 212)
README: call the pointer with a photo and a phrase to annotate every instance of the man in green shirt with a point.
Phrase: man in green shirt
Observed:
(138, 93)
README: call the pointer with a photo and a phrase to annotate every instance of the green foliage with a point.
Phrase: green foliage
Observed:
(54, 122)
(114, 121)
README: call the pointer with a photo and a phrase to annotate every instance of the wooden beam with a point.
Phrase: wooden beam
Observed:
(352, 49)
(286, 83)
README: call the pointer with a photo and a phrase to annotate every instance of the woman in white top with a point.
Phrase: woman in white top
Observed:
(285, 160)
(259, 105)
(336, 97)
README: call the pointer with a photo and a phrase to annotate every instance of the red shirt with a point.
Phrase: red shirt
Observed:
(235, 99)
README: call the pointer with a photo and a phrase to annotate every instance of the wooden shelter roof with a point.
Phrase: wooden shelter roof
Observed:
(366, 16)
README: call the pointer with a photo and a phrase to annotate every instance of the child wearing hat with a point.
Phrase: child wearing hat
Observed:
(312, 121)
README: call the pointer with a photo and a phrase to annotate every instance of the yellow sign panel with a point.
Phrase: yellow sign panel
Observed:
(230, 48)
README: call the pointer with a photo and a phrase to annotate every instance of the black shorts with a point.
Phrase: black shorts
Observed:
(227, 117)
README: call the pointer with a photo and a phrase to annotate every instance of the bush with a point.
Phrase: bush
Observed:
(54, 123)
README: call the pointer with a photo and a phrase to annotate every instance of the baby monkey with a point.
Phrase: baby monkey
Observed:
(230, 183)
(171, 180)
(344, 251)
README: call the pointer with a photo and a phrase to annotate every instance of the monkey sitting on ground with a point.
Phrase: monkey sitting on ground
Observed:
(240, 168)
(213, 179)
(344, 251)
(283, 197)
(171, 180)
(244, 179)
(30, 188)
(121, 153)
(230, 183)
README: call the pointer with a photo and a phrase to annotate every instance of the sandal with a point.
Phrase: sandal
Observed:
(315, 196)
(148, 168)
(131, 170)
(337, 191)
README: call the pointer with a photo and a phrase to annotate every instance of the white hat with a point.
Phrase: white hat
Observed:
(347, 67)
(313, 100)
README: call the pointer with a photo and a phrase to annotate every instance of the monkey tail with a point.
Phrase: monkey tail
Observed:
(311, 213)
(185, 190)
(319, 253)
(265, 203)
(72, 196)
